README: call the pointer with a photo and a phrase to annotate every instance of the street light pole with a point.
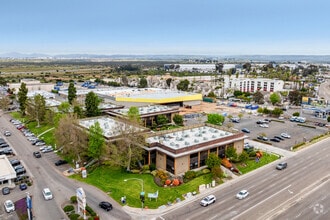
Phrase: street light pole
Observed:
(142, 186)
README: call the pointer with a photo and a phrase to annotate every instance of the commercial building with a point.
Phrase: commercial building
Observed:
(181, 150)
(253, 84)
(7, 172)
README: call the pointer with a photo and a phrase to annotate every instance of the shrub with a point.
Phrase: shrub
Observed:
(152, 167)
(73, 199)
(199, 173)
(135, 171)
(217, 172)
(90, 211)
(162, 174)
(74, 216)
(68, 208)
(252, 154)
(190, 174)
(154, 172)
(205, 171)
(145, 168)
(158, 181)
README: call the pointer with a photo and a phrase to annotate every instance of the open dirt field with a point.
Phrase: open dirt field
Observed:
(208, 108)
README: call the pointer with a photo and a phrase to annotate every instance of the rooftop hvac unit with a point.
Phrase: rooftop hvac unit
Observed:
(205, 138)
(177, 145)
(172, 143)
(196, 141)
(186, 143)
(213, 136)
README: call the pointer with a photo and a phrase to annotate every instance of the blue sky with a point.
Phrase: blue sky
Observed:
(196, 27)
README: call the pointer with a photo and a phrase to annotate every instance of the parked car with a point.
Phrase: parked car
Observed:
(285, 135)
(9, 206)
(4, 145)
(105, 205)
(47, 149)
(207, 200)
(37, 154)
(282, 165)
(263, 138)
(5, 190)
(247, 147)
(246, 130)
(40, 143)
(279, 137)
(60, 162)
(264, 125)
(47, 194)
(18, 167)
(235, 120)
(275, 139)
(20, 171)
(242, 194)
(23, 186)
(14, 162)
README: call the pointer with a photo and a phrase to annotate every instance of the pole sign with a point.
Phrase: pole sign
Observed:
(81, 199)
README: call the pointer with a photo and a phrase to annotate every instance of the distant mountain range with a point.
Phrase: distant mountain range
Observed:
(233, 58)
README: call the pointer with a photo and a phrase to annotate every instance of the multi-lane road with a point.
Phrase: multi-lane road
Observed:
(300, 190)
(45, 174)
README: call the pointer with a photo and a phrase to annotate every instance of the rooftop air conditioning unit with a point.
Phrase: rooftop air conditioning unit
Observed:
(186, 143)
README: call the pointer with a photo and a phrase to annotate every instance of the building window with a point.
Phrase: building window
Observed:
(203, 157)
(193, 161)
(169, 164)
(213, 150)
(222, 151)
(153, 154)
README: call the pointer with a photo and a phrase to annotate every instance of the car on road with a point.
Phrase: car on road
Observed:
(208, 200)
(282, 166)
(242, 194)
(23, 186)
(263, 138)
(60, 162)
(285, 135)
(37, 154)
(246, 130)
(7, 133)
(5, 190)
(48, 195)
(235, 120)
(105, 205)
(9, 206)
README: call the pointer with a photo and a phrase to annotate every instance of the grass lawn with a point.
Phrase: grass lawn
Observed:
(111, 180)
(252, 164)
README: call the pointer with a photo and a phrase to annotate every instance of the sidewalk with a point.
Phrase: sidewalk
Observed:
(153, 214)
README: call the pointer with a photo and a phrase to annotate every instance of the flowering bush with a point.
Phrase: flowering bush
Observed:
(168, 182)
(176, 182)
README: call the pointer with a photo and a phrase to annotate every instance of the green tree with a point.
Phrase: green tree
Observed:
(22, 97)
(161, 120)
(213, 161)
(183, 85)
(92, 102)
(258, 97)
(244, 156)
(231, 152)
(296, 114)
(277, 112)
(295, 97)
(96, 142)
(215, 119)
(4, 103)
(78, 111)
(275, 98)
(72, 139)
(72, 92)
(36, 108)
(64, 107)
(143, 83)
(178, 119)
(127, 149)
(211, 95)
(168, 82)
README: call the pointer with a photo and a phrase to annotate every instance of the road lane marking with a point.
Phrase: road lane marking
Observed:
(252, 207)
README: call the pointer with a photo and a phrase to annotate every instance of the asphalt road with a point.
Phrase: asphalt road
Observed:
(270, 190)
(45, 174)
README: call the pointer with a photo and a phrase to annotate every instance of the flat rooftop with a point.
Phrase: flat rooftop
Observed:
(146, 109)
(6, 170)
(110, 127)
(187, 138)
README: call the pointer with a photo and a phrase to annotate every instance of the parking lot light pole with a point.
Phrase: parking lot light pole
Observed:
(142, 192)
